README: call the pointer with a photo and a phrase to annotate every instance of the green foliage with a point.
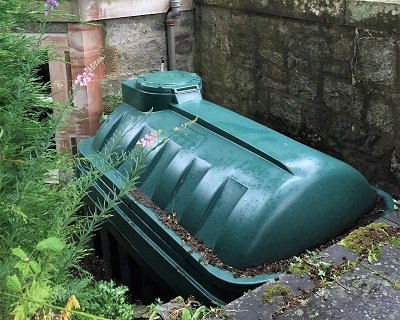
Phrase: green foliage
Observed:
(42, 234)
(107, 300)
(19, 12)
(273, 291)
(311, 263)
(155, 309)
(13, 284)
(31, 281)
(51, 244)
(374, 253)
(394, 241)
(26, 202)
(298, 267)
(184, 310)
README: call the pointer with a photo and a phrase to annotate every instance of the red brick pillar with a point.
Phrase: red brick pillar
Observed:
(85, 47)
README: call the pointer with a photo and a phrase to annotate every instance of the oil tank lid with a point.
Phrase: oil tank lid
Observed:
(168, 81)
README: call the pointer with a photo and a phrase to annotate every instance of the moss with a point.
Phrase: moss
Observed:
(365, 238)
(394, 241)
(374, 253)
(178, 299)
(299, 268)
(396, 285)
(270, 292)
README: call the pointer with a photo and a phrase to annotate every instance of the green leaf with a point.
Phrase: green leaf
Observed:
(18, 252)
(13, 284)
(39, 291)
(19, 313)
(154, 315)
(200, 311)
(35, 267)
(186, 314)
(23, 267)
(51, 244)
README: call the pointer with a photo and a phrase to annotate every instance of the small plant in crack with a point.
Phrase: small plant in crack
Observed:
(312, 264)
(396, 285)
(181, 309)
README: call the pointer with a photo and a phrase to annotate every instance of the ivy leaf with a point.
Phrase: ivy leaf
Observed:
(13, 284)
(52, 244)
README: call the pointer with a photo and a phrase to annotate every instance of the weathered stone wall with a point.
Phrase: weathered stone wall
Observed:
(323, 72)
(136, 45)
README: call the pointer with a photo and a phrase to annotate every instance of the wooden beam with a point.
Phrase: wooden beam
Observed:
(92, 10)
(57, 68)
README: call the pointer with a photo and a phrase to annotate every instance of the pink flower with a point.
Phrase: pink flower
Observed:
(87, 76)
(148, 139)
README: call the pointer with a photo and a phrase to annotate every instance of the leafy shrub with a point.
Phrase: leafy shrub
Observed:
(42, 234)
(106, 299)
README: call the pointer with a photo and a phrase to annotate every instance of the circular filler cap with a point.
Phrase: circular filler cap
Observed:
(168, 81)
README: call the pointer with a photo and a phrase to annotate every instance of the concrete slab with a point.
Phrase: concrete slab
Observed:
(358, 294)
(315, 308)
(252, 305)
(365, 292)
(338, 254)
(388, 265)
(357, 286)
(394, 217)
(387, 308)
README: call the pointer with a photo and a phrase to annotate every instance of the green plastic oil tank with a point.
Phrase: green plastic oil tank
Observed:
(249, 193)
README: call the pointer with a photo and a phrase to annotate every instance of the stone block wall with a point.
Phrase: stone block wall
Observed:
(136, 45)
(326, 73)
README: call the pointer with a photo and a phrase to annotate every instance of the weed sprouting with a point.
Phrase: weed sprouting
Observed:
(396, 285)
(182, 309)
(312, 264)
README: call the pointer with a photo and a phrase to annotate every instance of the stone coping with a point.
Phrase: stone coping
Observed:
(252, 306)
(95, 10)
(374, 14)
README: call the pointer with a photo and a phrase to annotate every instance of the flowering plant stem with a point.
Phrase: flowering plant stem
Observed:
(48, 305)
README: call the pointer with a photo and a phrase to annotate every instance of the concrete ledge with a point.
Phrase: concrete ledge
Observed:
(92, 10)
(314, 10)
(374, 14)
(332, 11)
